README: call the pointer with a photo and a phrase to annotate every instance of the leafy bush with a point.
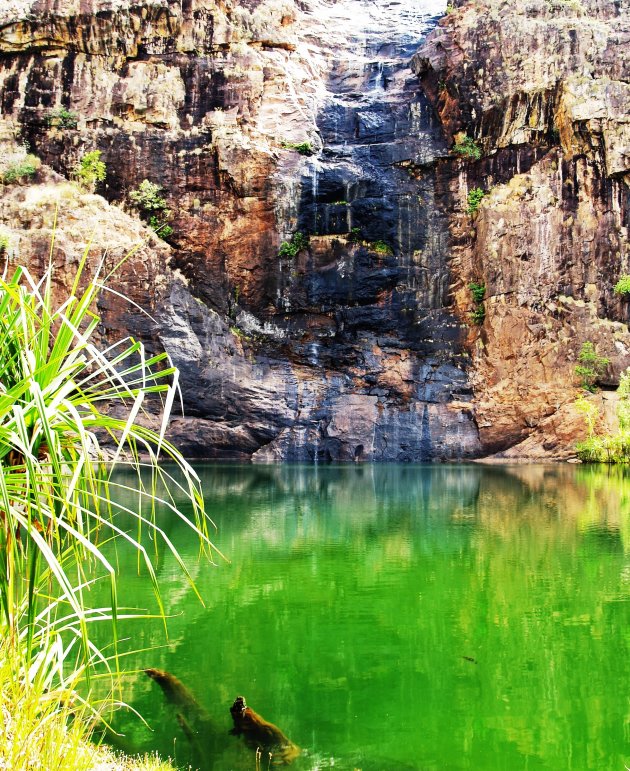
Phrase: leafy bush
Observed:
(161, 228)
(467, 148)
(292, 248)
(475, 196)
(613, 448)
(303, 148)
(478, 291)
(590, 412)
(90, 169)
(381, 247)
(478, 314)
(591, 366)
(591, 450)
(153, 208)
(62, 118)
(622, 286)
(148, 196)
(354, 236)
(607, 448)
(4, 242)
(623, 405)
(23, 170)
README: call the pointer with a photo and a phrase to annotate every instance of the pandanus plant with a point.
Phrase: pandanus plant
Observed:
(61, 397)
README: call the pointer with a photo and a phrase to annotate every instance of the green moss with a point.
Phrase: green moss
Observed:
(238, 333)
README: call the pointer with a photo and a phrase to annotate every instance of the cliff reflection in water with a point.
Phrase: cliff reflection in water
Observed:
(404, 616)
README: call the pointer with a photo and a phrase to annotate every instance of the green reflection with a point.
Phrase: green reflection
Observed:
(390, 617)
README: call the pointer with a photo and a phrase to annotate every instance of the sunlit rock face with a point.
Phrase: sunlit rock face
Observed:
(345, 350)
(542, 87)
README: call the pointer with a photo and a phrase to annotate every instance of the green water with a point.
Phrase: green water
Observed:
(393, 617)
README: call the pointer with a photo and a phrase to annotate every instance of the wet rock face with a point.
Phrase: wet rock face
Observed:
(263, 120)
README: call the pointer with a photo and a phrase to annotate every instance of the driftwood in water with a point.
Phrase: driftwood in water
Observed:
(202, 735)
(259, 733)
(193, 719)
(175, 691)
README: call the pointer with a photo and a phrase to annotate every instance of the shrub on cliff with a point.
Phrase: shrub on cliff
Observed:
(355, 236)
(591, 366)
(478, 291)
(21, 171)
(381, 247)
(475, 197)
(622, 286)
(148, 196)
(90, 170)
(478, 313)
(153, 208)
(292, 248)
(467, 148)
(62, 118)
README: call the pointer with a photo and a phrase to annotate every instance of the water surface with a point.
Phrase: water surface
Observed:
(392, 617)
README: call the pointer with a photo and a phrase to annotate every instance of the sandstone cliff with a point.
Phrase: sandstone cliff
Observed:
(263, 120)
(543, 88)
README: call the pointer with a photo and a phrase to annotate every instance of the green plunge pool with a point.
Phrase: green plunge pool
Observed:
(400, 617)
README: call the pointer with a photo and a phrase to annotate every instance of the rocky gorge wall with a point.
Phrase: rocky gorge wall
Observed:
(358, 346)
(543, 87)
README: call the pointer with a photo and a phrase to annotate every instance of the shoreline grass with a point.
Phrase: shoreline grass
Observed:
(59, 507)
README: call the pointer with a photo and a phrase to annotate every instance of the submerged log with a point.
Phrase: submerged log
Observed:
(176, 692)
(192, 718)
(260, 734)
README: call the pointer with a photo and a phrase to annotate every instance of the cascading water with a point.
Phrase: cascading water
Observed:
(377, 265)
